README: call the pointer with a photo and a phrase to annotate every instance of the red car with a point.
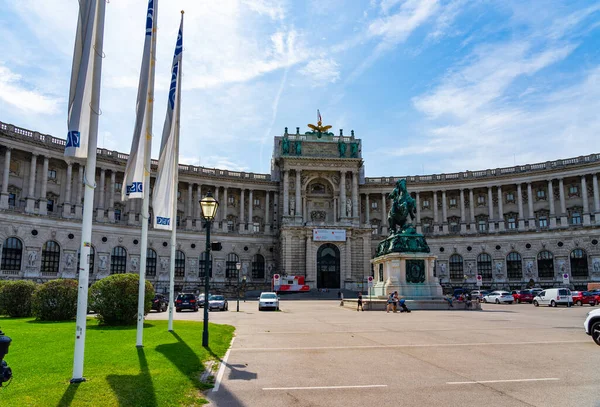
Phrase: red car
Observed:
(523, 296)
(584, 297)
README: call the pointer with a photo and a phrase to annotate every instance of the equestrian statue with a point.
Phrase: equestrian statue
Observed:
(403, 209)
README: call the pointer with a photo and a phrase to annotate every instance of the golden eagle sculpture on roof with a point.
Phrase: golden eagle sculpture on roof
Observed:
(319, 130)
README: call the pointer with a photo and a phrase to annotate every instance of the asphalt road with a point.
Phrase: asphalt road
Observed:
(316, 353)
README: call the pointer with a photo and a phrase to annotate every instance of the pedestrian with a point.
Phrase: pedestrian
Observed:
(468, 301)
(390, 301)
(359, 303)
(395, 301)
(341, 299)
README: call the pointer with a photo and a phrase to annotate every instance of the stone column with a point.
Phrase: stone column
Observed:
(551, 202)
(596, 197)
(463, 220)
(242, 211)
(250, 209)
(30, 206)
(435, 211)
(190, 207)
(501, 225)
(5, 175)
(224, 207)
(348, 257)
(563, 208)
(444, 212)
(78, 206)
(367, 210)
(384, 228)
(530, 206)
(67, 198)
(586, 204)
(101, 192)
(131, 211)
(111, 197)
(286, 193)
(43, 201)
(198, 210)
(267, 204)
(298, 212)
(491, 210)
(472, 211)
(355, 207)
(275, 205)
(520, 203)
(342, 194)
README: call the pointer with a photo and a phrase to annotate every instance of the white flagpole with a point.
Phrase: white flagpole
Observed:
(146, 191)
(174, 218)
(88, 200)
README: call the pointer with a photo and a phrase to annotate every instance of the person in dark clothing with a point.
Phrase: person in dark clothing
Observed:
(402, 304)
(359, 304)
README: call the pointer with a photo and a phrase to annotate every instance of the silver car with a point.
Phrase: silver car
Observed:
(268, 300)
(498, 297)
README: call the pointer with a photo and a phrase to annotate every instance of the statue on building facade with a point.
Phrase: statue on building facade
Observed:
(319, 130)
(292, 205)
(298, 147)
(285, 146)
(342, 148)
(31, 258)
(353, 150)
(348, 207)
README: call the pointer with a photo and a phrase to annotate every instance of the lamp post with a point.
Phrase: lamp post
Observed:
(238, 267)
(209, 206)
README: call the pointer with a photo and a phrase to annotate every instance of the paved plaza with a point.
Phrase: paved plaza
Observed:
(316, 353)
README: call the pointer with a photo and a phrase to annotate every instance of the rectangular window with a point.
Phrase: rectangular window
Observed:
(543, 222)
(576, 218)
(256, 227)
(257, 203)
(178, 220)
(573, 190)
(452, 201)
(231, 200)
(229, 226)
(374, 205)
(426, 228)
(375, 230)
(510, 197)
(541, 194)
(118, 186)
(425, 203)
(117, 215)
(481, 199)
(512, 223)
(50, 205)
(11, 200)
(51, 174)
(482, 226)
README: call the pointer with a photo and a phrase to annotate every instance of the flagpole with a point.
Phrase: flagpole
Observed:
(88, 200)
(146, 184)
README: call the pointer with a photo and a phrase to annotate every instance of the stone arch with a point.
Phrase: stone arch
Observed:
(328, 266)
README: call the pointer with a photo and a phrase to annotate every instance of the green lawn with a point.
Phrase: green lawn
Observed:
(165, 372)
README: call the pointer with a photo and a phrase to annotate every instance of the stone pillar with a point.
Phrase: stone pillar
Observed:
(101, 192)
(586, 204)
(500, 210)
(198, 210)
(43, 201)
(342, 201)
(267, 204)
(250, 209)
(78, 205)
(224, 207)
(596, 197)
(131, 211)
(472, 211)
(520, 203)
(551, 202)
(217, 195)
(384, 228)
(368, 210)
(348, 270)
(298, 212)
(530, 206)
(463, 220)
(286, 193)
(275, 205)
(111, 197)
(5, 175)
(435, 211)
(444, 212)
(242, 211)
(355, 207)
(67, 198)
(190, 207)
(563, 208)
(491, 210)
(30, 206)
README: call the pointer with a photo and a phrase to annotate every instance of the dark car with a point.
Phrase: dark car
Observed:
(584, 297)
(160, 303)
(523, 296)
(186, 301)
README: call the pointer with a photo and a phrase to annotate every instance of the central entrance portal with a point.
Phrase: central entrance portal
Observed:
(328, 266)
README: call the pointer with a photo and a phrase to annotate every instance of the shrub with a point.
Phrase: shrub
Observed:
(15, 298)
(115, 299)
(55, 300)
(3, 283)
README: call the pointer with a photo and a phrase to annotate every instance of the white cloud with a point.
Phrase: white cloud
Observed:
(322, 71)
(274, 9)
(14, 91)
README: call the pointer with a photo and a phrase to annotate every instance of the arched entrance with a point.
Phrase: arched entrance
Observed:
(328, 266)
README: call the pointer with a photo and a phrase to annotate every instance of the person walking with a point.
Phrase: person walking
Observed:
(395, 301)
(390, 301)
(359, 304)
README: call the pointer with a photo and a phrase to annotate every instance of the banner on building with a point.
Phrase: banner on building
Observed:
(329, 235)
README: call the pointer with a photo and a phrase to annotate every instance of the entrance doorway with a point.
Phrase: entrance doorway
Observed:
(328, 266)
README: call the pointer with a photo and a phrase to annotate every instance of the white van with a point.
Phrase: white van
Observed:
(554, 297)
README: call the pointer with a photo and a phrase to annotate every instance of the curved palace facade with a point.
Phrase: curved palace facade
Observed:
(315, 215)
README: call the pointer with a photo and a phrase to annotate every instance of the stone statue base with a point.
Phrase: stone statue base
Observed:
(407, 241)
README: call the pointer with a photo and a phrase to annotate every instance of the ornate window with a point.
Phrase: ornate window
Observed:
(456, 267)
(231, 223)
(50, 205)
(258, 267)
(575, 215)
(12, 200)
(256, 203)
(482, 223)
(514, 266)
(151, 263)
(92, 255)
(118, 215)
(374, 205)
(12, 253)
(425, 203)
(540, 194)
(511, 220)
(179, 264)
(545, 264)
(426, 225)
(231, 200)
(481, 200)
(51, 174)
(230, 269)
(543, 222)
(118, 260)
(510, 197)
(50, 258)
(454, 224)
(573, 191)
(202, 264)
(484, 265)
(579, 263)
(452, 202)
(118, 186)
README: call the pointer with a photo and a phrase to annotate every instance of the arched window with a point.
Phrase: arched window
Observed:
(118, 260)
(202, 264)
(514, 266)
(230, 270)
(545, 264)
(151, 262)
(579, 263)
(484, 265)
(258, 266)
(91, 259)
(456, 266)
(179, 264)
(50, 258)
(12, 253)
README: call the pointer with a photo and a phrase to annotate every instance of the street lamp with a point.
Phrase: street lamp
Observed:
(238, 267)
(209, 206)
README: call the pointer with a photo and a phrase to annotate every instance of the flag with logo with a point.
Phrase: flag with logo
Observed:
(165, 187)
(133, 181)
(80, 93)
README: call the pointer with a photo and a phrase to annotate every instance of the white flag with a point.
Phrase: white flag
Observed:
(163, 195)
(80, 94)
(133, 181)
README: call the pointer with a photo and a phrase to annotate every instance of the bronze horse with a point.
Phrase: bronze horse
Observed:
(403, 208)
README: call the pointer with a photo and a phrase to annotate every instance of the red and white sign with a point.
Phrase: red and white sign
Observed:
(289, 284)
(370, 280)
(479, 280)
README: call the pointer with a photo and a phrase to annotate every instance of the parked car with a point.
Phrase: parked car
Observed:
(217, 302)
(498, 297)
(592, 325)
(554, 297)
(536, 291)
(201, 300)
(186, 301)
(268, 300)
(523, 296)
(160, 303)
(584, 297)
(478, 295)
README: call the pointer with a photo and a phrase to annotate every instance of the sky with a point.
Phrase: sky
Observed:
(430, 86)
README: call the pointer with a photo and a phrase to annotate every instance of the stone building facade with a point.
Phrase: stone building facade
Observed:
(510, 225)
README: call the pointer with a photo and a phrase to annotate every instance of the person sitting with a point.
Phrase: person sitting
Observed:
(450, 299)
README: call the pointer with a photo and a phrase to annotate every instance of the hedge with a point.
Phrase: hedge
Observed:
(55, 300)
(115, 299)
(15, 298)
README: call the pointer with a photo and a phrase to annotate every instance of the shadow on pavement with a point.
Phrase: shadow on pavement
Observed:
(67, 398)
(134, 390)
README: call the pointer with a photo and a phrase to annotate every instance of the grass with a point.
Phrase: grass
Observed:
(165, 372)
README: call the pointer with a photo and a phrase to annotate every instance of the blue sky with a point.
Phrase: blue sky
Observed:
(429, 86)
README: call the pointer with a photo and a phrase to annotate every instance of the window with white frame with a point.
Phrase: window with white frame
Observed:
(541, 194)
(256, 227)
(374, 205)
(118, 186)
(543, 222)
(425, 203)
(51, 174)
(257, 203)
(481, 199)
(230, 226)
(510, 197)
